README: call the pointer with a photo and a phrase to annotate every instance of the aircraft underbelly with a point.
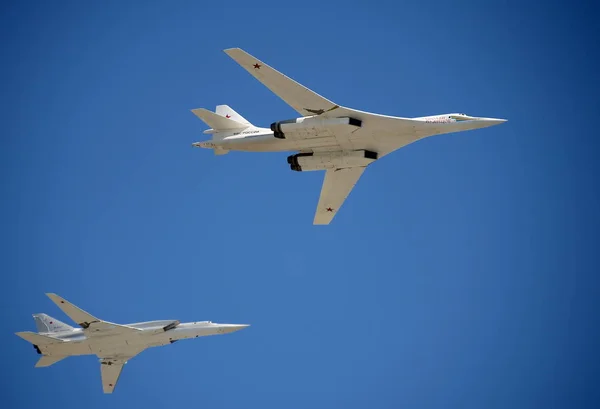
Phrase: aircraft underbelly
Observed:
(377, 141)
(114, 347)
(68, 348)
(281, 145)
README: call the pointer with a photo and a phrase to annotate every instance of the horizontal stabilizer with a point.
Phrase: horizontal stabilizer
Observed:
(37, 339)
(218, 122)
(47, 360)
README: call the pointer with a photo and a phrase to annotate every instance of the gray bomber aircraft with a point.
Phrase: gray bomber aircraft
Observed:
(113, 343)
(339, 140)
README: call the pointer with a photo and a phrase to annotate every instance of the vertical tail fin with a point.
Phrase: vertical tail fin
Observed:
(218, 122)
(228, 112)
(46, 324)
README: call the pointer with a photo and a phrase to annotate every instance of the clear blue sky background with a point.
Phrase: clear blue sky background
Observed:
(462, 271)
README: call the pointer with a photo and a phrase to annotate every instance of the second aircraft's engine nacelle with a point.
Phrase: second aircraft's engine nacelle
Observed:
(313, 126)
(302, 162)
(171, 326)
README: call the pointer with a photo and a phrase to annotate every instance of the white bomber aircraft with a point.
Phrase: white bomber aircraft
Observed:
(114, 344)
(339, 140)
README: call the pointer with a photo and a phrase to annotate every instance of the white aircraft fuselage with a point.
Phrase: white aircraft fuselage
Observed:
(113, 343)
(151, 334)
(339, 140)
(264, 140)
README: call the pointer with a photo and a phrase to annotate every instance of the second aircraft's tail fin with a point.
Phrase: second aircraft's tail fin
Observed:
(46, 324)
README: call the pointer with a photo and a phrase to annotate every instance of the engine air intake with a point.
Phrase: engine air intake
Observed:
(307, 161)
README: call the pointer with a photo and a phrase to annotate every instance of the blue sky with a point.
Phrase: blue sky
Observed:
(461, 272)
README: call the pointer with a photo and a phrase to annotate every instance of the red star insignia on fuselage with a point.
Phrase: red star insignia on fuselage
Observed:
(227, 116)
(257, 66)
(329, 209)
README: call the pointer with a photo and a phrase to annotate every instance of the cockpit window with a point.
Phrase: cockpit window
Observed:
(460, 117)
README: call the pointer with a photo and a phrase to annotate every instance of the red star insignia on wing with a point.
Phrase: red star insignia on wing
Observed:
(257, 66)
(329, 209)
(227, 116)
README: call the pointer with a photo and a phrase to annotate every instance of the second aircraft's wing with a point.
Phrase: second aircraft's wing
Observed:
(337, 185)
(110, 375)
(78, 315)
(111, 367)
(302, 99)
(93, 326)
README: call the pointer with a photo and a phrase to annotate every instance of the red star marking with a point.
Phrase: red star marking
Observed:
(227, 116)
(329, 209)
(257, 66)
(62, 302)
(50, 322)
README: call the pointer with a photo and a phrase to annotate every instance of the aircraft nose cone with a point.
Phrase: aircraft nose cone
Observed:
(235, 327)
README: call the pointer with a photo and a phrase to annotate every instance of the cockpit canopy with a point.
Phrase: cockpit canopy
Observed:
(461, 117)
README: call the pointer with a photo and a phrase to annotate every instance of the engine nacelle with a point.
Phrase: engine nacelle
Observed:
(302, 162)
(312, 126)
(171, 326)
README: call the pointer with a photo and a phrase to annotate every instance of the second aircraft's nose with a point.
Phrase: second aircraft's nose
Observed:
(234, 327)
(495, 121)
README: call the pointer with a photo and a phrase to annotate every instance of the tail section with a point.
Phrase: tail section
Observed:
(47, 360)
(40, 343)
(224, 122)
(218, 122)
(46, 324)
(37, 339)
(228, 112)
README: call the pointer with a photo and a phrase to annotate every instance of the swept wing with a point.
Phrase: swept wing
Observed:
(92, 326)
(112, 365)
(302, 99)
